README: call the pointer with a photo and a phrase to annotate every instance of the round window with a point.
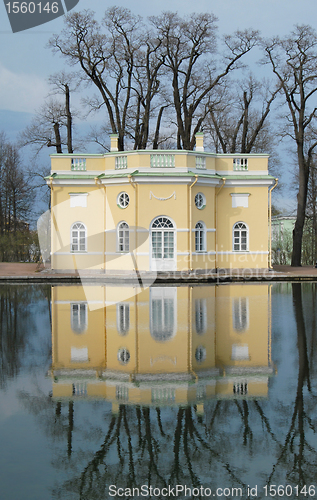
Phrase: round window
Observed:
(123, 356)
(200, 354)
(123, 200)
(200, 201)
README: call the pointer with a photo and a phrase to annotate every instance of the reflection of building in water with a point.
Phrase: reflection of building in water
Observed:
(170, 345)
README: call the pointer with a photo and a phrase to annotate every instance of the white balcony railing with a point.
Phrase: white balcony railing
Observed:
(240, 164)
(121, 162)
(162, 160)
(163, 395)
(78, 164)
(201, 162)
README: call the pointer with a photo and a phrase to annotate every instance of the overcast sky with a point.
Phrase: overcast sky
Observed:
(26, 63)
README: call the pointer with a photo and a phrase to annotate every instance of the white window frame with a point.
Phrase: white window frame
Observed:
(163, 313)
(123, 237)
(77, 325)
(240, 314)
(123, 318)
(200, 354)
(200, 201)
(123, 356)
(200, 237)
(163, 244)
(201, 316)
(237, 239)
(78, 237)
(123, 200)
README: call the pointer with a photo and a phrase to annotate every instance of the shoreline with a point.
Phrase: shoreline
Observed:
(29, 273)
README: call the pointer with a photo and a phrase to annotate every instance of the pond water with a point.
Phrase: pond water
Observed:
(188, 392)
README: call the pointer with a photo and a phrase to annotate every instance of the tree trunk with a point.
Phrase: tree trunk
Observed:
(58, 142)
(69, 121)
(301, 210)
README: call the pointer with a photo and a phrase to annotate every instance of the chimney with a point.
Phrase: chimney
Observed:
(113, 142)
(199, 141)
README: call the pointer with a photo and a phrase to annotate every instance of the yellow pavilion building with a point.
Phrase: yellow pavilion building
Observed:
(159, 210)
(161, 345)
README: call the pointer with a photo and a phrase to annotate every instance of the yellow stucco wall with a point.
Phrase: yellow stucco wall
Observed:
(152, 197)
(64, 338)
(204, 320)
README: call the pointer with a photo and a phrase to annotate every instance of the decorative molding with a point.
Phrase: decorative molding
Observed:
(243, 252)
(163, 358)
(162, 199)
(78, 302)
(76, 253)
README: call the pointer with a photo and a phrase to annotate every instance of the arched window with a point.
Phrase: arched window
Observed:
(123, 318)
(200, 237)
(162, 222)
(78, 237)
(123, 237)
(201, 316)
(163, 313)
(79, 319)
(162, 238)
(240, 237)
(240, 314)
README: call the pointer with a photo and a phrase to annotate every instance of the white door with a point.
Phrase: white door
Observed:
(163, 253)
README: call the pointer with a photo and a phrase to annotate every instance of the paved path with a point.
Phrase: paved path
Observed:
(36, 272)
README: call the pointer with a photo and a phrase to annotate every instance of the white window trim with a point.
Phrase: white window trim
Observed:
(72, 319)
(118, 198)
(126, 317)
(240, 323)
(201, 316)
(158, 263)
(203, 230)
(71, 239)
(233, 229)
(118, 238)
(204, 200)
(160, 294)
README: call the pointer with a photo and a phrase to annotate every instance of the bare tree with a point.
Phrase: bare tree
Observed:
(122, 59)
(238, 119)
(293, 60)
(16, 193)
(65, 84)
(191, 58)
(46, 127)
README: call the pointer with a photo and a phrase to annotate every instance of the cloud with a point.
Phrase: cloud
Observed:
(21, 91)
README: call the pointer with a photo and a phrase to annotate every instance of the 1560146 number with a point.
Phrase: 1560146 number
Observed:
(32, 7)
(288, 490)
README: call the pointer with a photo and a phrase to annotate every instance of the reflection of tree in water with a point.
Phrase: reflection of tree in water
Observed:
(16, 325)
(138, 448)
(141, 445)
(298, 455)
